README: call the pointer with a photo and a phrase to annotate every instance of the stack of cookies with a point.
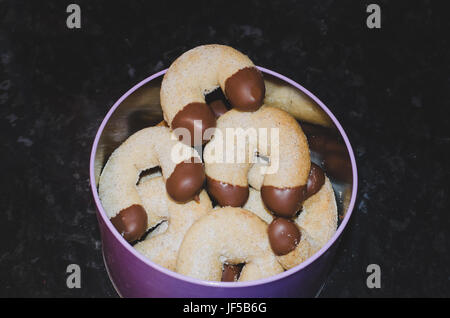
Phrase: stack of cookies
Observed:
(224, 188)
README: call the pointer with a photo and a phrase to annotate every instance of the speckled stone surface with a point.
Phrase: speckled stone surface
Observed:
(389, 88)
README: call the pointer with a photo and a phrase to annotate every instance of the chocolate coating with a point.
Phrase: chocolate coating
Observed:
(338, 165)
(284, 202)
(218, 107)
(226, 194)
(317, 142)
(245, 89)
(324, 144)
(189, 118)
(316, 179)
(284, 236)
(131, 222)
(231, 273)
(186, 181)
(323, 140)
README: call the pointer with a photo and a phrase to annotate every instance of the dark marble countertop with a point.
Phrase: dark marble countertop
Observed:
(389, 88)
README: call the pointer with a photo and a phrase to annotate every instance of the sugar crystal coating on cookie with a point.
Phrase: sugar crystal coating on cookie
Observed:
(202, 70)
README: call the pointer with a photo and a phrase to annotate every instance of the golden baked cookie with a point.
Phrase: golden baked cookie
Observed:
(227, 236)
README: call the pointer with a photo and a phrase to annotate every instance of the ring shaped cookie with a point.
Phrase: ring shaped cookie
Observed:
(200, 71)
(316, 223)
(181, 168)
(162, 244)
(227, 236)
(271, 133)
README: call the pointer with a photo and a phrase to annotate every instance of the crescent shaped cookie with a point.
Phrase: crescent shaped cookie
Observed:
(181, 168)
(317, 223)
(198, 72)
(227, 236)
(162, 244)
